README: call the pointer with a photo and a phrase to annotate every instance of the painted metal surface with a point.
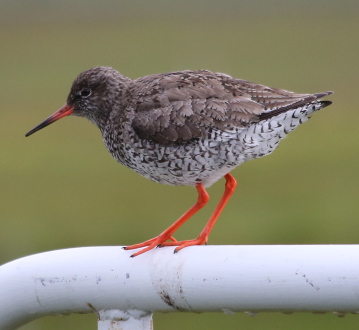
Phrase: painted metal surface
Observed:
(316, 278)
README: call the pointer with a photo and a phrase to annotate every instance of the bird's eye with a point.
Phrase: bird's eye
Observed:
(85, 92)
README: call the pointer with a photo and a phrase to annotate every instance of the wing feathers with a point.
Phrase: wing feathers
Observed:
(180, 106)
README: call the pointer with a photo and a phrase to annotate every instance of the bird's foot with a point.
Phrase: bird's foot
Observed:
(200, 240)
(162, 239)
(150, 244)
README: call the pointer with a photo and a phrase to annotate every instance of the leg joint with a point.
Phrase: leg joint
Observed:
(231, 182)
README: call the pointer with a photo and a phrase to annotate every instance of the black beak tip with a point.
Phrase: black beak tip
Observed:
(30, 132)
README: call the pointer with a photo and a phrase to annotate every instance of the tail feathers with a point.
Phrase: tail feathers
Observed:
(306, 100)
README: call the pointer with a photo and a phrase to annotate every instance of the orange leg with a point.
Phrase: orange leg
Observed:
(203, 236)
(203, 198)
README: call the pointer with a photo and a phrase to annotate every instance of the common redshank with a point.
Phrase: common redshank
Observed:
(185, 128)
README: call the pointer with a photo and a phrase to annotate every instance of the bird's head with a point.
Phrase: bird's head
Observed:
(93, 95)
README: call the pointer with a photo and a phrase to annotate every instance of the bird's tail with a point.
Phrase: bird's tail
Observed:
(263, 137)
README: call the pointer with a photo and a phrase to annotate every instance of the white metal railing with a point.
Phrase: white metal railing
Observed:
(124, 291)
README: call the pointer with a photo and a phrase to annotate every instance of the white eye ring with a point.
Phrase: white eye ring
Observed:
(85, 92)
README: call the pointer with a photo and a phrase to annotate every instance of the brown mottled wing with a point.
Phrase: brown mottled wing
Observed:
(180, 106)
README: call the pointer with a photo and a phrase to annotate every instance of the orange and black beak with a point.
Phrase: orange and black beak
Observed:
(66, 110)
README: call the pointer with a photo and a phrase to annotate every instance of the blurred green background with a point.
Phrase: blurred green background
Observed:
(60, 188)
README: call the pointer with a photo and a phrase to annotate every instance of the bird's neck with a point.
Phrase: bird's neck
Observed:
(115, 102)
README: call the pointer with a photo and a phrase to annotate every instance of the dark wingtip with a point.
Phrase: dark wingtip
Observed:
(310, 98)
(325, 103)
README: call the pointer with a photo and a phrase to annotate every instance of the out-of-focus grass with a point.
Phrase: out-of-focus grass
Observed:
(60, 188)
